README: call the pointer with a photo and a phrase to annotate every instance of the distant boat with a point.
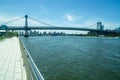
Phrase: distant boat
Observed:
(117, 37)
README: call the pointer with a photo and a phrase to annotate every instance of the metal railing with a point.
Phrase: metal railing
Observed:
(32, 71)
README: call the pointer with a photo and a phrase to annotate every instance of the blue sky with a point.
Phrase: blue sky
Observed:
(64, 12)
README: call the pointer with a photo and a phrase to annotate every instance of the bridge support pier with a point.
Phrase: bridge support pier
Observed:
(26, 26)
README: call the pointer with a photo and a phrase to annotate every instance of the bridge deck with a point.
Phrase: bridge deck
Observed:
(11, 63)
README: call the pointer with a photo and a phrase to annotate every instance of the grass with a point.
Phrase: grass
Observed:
(1, 38)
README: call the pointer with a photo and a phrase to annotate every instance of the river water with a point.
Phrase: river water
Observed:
(75, 58)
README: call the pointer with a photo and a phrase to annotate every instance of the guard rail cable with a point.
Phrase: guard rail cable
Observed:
(35, 75)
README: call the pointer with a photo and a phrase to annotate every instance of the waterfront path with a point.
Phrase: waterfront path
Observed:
(11, 62)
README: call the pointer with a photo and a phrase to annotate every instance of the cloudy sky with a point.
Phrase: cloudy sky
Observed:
(76, 13)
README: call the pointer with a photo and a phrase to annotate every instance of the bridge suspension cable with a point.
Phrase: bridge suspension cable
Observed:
(41, 22)
(91, 26)
(12, 20)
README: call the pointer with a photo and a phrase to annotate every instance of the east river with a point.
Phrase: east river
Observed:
(75, 58)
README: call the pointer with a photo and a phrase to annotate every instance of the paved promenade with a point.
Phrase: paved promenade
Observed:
(11, 63)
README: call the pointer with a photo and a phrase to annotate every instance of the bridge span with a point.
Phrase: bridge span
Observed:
(99, 30)
(49, 28)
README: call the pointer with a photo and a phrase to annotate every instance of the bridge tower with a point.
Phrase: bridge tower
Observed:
(98, 25)
(26, 26)
(100, 28)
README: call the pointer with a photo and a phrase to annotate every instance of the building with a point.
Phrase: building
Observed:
(118, 29)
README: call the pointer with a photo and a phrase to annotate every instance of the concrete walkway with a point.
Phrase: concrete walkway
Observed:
(11, 63)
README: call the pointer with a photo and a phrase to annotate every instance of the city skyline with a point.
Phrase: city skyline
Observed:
(78, 13)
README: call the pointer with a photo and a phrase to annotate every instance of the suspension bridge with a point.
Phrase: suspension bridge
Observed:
(99, 30)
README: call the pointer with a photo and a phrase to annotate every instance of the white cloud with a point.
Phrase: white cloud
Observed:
(77, 21)
(71, 17)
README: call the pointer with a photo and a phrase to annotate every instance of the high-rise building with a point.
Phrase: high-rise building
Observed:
(118, 29)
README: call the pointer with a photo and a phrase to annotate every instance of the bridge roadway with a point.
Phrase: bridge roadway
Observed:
(49, 28)
(57, 28)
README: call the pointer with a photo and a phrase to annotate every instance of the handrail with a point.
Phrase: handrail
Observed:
(35, 71)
